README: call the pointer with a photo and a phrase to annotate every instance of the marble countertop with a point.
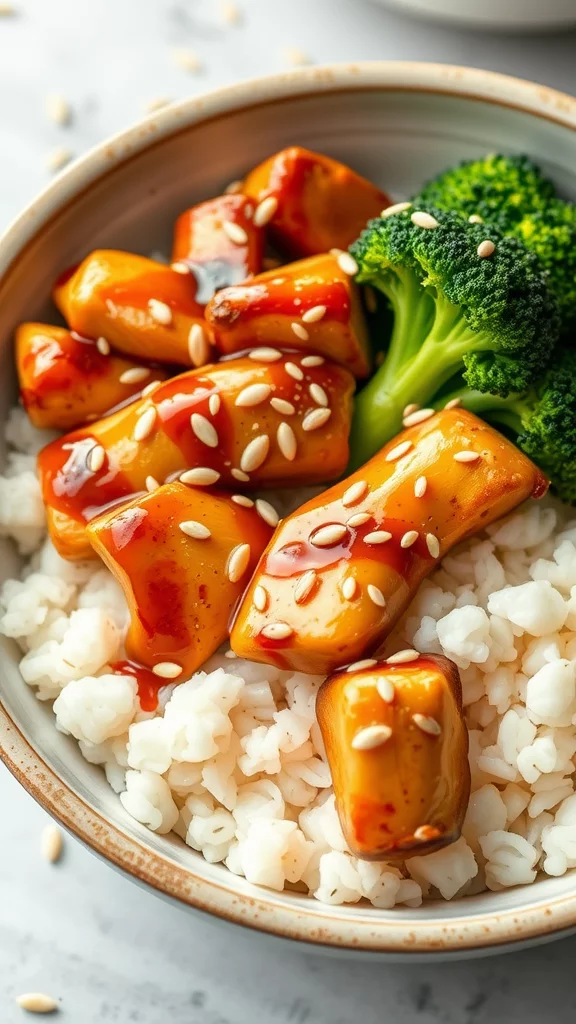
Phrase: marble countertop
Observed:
(107, 950)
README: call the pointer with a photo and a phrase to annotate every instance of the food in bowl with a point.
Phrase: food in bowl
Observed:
(354, 596)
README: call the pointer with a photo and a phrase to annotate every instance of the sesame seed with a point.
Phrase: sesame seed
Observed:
(96, 458)
(357, 666)
(454, 403)
(386, 690)
(370, 299)
(311, 316)
(300, 331)
(230, 13)
(252, 395)
(234, 187)
(157, 104)
(401, 657)
(354, 493)
(418, 416)
(261, 598)
(277, 631)
(409, 538)
(103, 346)
(294, 371)
(287, 442)
(238, 474)
(151, 483)
(427, 724)
(214, 404)
(315, 419)
(304, 586)
(231, 655)
(7, 10)
(371, 737)
(395, 208)
(267, 512)
(466, 456)
(420, 487)
(167, 670)
(145, 424)
(318, 395)
(475, 218)
(194, 529)
(204, 430)
(255, 453)
(58, 158)
(36, 1002)
(313, 361)
(202, 476)
(424, 220)
(180, 268)
(265, 355)
(235, 232)
(51, 843)
(349, 588)
(486, 248)
(58, 109)
(187, 60)
(295, 57)
(241, 499)
(327, 536)
(358, 519)
(347, 264)
(433, 545)
(238, 560)
(198, 346)
(409, 409)
(376, 595)
(150, 388)
(265, 211)
(377, 537)
(399, 451)
(282, 406)
(134, 375)
(160, 311)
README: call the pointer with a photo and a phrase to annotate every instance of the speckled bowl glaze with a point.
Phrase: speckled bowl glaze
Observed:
(397, 123)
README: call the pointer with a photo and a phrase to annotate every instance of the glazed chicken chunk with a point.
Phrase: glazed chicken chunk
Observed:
(311, 202)
(67, 380)
(312, 305)
(397, 746)
(268, 419)
(183, 556)
(341, 570)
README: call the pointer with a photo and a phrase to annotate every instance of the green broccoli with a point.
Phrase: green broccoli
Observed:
(501, 190)
(490, 318)
(513, 194)
(542, 421)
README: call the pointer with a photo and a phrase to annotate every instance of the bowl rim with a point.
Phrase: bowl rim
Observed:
(261, 909)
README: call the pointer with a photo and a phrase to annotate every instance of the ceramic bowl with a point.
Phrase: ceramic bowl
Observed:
(507, 15)
(398, 124)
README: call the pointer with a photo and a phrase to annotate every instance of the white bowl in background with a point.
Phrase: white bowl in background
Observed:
(397, 123)
(526, 15)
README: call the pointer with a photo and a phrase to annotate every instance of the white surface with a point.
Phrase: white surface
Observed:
(79, 931)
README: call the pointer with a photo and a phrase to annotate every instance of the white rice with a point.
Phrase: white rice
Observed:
(233, 760)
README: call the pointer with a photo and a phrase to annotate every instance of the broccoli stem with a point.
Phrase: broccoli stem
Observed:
(428, 343)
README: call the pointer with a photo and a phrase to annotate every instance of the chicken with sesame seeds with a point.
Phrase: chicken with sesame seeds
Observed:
(341, 570)
(219, 243)
(66, 380)
(142, 307)
(313, 203)
(397, 746)
(312, 305)
(261, 420)
(183, 556)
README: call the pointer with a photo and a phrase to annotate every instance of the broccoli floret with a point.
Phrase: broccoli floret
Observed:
(499, 189)
(542, 421)
(491, 318)
(513, 194)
